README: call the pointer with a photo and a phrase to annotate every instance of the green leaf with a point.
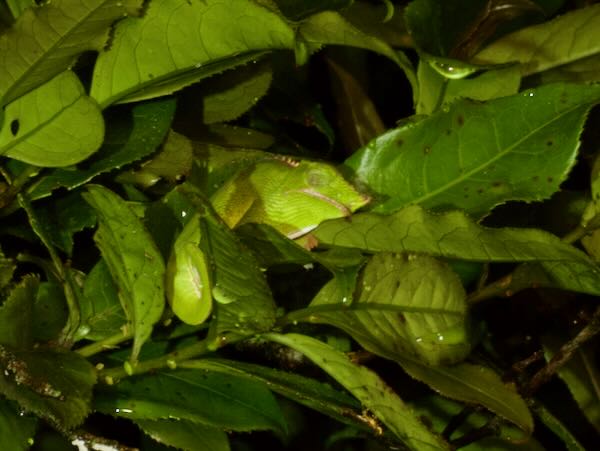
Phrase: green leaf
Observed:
(474, 156)
(54, 385)
(134, 262)
(18, 6)
(229, 95)
(205, 397)
(64, 217)
(580, 375)
(16, 314)
(370, 390)
(309, 392)
(54, 125)
(584, 70)
(568, 38)
(185, 435)
(17, 431)
(407, 306)
(176, 44)
(474, 384)
(331, 28)
(47, 39)
(296, 10)
(101, 313)
(50, 311)
(7, 269)
(131, 136)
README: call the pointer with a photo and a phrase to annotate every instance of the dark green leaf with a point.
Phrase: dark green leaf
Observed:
(555, 425)
(16, 314)
(185, 435)
(54, 385)
(49, 311)
(101, 313)
(205, 397)
(17, 431)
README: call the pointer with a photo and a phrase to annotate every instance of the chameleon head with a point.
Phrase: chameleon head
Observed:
(326, 183)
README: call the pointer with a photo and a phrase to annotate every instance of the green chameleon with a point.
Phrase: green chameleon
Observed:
(293, 196)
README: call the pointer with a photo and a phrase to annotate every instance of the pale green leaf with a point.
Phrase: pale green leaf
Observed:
(585, 70)
(407, 306)
(205, 397)
(18, 6)
(178, 43)
(54, 385)
(47, 39)
(474, 156)
(135, 263)
(54, 125)
(130, 136)
(568, 38)
(474, 384)
(185, 435)
(16, 430)
(370, 390)
(581, 376)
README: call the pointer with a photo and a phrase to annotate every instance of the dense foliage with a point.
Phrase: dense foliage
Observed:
(315, 224)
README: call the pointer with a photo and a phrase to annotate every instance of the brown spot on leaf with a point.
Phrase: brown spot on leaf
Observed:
(497, 184)
(480, 191)
(448, 132)
(402, 318)
(460, 120)
(549, 143)
(427, 150)
(550, 179)
(535, 178)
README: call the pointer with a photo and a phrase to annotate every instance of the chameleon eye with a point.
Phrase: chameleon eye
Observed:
(318, 178)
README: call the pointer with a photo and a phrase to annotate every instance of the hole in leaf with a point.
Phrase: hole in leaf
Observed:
(14, 127)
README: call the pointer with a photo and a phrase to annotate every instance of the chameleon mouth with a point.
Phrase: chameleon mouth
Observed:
(341, 207)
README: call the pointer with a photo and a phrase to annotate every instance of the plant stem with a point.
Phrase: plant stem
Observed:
(102, 345)
(170, 360)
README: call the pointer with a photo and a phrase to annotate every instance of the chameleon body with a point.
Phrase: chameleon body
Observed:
(290, 195)
(293, 196)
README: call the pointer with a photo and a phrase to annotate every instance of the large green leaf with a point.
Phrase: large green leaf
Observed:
(135, 263)
(54, 125)
(474, 384)
(131, 136)
(407, 306)
(54, 385)
(46, 40)
(205, 397)
(474, 156)
(185, 435)
(176, 44)
(370, 390)
(568, 38)
(454, 235)
(16, 430)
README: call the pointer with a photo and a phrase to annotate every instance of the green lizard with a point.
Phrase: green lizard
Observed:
(293, 196)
